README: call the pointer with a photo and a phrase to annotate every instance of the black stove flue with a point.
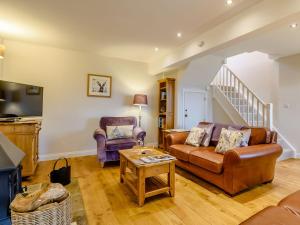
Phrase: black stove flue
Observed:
(10, 176)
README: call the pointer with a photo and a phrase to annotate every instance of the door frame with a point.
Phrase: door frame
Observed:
(194, 90)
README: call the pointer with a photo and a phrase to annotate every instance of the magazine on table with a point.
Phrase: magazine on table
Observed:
(156, 158)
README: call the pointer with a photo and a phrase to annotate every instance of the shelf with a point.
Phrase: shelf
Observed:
(163, 99)
(162, 114)
(163, 88)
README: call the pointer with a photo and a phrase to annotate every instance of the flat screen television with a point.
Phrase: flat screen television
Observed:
(20, 100)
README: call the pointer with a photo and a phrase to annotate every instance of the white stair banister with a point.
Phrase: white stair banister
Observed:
(252, 109)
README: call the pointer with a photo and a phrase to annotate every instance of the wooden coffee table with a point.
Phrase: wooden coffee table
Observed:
(146, 180)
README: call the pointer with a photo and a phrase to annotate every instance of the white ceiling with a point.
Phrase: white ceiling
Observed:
(128, 29)
(278, 42)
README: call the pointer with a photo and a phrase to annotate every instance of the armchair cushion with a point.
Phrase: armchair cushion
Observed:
(117, 144)
(139, 133)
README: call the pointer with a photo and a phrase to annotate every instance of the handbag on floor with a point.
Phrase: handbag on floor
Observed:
(62, 175)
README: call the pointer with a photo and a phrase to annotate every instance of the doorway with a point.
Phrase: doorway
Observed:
(194, 107)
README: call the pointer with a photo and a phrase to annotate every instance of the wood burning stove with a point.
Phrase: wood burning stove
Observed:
(10, 176)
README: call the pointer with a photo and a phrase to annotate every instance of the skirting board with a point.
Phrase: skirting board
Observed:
(53, 156)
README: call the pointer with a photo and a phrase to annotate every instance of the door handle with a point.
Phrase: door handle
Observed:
(185, 115)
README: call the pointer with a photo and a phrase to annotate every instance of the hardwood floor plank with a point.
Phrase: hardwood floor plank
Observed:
(196, 202)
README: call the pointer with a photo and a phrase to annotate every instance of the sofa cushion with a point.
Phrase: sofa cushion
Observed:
(195, 136)
(273, 215)
(207, 158)
(292, 203)
(217, 131)
(208, 132)
(182, 151)
(117, 144)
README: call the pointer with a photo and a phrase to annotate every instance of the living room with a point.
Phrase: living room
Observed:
(64, 49)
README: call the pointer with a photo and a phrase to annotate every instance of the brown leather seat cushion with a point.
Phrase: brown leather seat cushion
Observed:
(207, 158)
(182, 151)
(291, 203)
(273, 215)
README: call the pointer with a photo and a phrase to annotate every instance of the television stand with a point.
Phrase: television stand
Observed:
(25, 135)
(10, 119)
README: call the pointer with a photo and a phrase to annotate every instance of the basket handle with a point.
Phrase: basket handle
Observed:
(67, 164)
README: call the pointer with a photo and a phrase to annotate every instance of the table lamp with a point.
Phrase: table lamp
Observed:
(140, 100)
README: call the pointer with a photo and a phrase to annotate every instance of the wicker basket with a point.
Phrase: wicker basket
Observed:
(52, 214)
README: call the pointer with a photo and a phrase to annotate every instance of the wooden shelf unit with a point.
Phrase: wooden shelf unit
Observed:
(166, 103)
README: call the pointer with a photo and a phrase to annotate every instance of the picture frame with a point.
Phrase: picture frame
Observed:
(99, 85)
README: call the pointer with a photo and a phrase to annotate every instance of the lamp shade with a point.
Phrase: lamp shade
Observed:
(2, 49)
(140, 100)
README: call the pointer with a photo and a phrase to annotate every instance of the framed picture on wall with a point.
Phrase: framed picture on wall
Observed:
(99, 85)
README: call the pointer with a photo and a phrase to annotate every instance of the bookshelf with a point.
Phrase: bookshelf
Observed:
(166, 102)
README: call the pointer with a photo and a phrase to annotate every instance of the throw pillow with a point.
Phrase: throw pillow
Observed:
(229, 139)
(208, 128)
(246, 135)
(195, 136)
(117, 132)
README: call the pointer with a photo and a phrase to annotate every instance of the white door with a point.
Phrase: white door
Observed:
(194, 108)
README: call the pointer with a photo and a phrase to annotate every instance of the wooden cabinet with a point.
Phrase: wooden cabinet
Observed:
(25, 135)
(166, 101)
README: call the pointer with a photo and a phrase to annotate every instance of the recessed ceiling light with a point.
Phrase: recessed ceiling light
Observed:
(294, 25)
(179, 34)
(156, 49)
(229, 2)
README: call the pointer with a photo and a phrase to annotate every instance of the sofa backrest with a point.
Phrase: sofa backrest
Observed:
(259, 135)
(117, 121)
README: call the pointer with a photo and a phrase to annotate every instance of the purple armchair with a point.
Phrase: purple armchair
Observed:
(107, 150)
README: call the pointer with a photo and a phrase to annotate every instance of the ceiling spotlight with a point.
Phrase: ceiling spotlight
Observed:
(294, 25)
(156, 49)
(179, 34)
(229, 2)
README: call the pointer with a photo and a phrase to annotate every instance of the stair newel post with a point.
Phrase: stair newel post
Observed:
(239, 99)
(252, 109)
(257, 113)
(231, 91)
(264, 115)
(269, 107)
(247, 114)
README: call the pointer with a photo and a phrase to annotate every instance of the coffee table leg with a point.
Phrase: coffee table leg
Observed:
(141, 186)
(171, 179)
(122, 168)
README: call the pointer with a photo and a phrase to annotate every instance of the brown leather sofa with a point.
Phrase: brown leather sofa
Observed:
(286, 212)
(237, 169)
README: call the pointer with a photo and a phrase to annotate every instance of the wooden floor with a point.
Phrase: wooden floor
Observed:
(196, 202)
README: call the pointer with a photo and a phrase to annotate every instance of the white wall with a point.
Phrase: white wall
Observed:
(69, 116)
(197, 75)
(258, 72)
(288, 101)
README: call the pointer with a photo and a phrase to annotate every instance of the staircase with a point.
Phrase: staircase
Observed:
(244, 107)
(252, 110)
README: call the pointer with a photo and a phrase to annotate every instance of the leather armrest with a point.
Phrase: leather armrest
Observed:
(247, 155)
(139, 133)
(99, 133)
(177, 138)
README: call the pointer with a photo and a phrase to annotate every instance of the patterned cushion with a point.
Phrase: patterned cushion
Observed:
(229, 140)
(246, 135)
(116, 132)
(195, 136)
(208, 128)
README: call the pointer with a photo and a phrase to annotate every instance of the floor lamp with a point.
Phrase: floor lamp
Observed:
(140, 100)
